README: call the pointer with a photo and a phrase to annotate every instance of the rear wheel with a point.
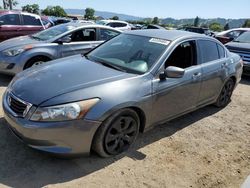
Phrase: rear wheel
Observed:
(117, 133)
(35, 61)
(226, 93)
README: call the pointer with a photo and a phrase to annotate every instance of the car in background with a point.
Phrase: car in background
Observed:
(231, 34)
(153, 26)
(121, 25)
(199, 30)
(241, 46)
(102, 100)
(59, 41)
(16, 23)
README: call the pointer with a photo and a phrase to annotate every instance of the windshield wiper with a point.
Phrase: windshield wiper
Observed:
(34, 37)
(111, 66)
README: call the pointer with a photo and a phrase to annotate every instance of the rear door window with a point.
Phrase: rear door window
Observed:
(221, 51)
(209, 51)
(106, 34)
(31, 20)
(10, 19)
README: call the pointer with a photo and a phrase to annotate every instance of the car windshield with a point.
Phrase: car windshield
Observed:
(52, 32)
(130, 53)
(244, 38)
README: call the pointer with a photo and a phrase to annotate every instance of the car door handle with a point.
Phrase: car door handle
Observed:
(196, 75)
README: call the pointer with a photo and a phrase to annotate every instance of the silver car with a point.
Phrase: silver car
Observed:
(64, 40)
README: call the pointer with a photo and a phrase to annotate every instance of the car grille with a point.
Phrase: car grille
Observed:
(245, 55)
(18, 106)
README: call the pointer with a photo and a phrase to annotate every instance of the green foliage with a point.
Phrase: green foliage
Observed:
(54, 11)
(247, 23)
(31, 8)
(226, 27)
(115, 18)
(155, 20)
(89, 14)
(216, 27)
(196, 21)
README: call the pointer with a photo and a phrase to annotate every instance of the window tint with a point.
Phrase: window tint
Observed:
(31, 20)
(117, 24)
(106, 34)
(10, 19)
(221, 51)
(183, 56)
(209, 51)
(84, 35)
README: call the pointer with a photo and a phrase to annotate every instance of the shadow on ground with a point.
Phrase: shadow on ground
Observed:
(5, 80)
(245, 80)
(21, 166)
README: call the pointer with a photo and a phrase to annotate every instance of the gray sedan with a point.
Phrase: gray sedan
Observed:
(128, 84)
(60, 41)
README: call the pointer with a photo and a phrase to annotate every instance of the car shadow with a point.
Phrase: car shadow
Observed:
(5, 80)
(245, 80)
(21, 166)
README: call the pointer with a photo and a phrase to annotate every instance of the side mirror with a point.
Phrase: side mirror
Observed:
(62, 40)
(172, 72)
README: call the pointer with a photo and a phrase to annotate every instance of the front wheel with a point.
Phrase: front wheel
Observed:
(117, 133)
(225, 95)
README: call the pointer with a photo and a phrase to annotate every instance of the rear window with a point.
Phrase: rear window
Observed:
(31, 20)
(10, 19)
(209, 51)
(117, 24)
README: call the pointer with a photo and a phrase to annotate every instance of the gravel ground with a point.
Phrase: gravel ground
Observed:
(207, 148)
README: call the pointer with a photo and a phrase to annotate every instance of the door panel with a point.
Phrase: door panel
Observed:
(73, 48)
(175, 96)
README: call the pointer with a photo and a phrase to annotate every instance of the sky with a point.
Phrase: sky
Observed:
(160, 8)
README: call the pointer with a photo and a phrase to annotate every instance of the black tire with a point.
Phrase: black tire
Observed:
(226, 93)
(117, 133)
(34, 60)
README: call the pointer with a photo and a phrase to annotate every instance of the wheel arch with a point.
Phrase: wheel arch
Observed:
(45, 56)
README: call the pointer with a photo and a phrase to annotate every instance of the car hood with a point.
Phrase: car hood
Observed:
(16, 42)
(238, 46)
(37, 85)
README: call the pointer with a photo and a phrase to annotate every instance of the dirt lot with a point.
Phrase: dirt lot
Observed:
(207, 148)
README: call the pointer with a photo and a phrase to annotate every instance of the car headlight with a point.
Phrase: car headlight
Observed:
(13, 52)
(65, 112)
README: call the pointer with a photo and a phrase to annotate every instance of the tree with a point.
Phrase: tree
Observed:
(9, 4)
(115, 18)
(31, 8)
(54, 11)
(196, 21)
(89, 14)
(247, 23)
(226, 27)
(215, 27)
(155, 20)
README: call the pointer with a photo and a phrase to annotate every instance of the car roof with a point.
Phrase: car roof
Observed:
(165, 34)
(79, 24)
(2, 12)
(234, 29)
(110, 21)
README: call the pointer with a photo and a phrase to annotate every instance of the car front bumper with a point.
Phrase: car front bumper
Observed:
(68, 138)
(9, 65)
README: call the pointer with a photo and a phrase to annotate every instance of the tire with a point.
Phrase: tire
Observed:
(226, 93)
(117, 133)
(34, 60)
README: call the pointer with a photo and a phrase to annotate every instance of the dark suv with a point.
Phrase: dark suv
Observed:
(16, 23)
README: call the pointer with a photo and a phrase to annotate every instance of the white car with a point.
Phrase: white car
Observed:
(121, 25)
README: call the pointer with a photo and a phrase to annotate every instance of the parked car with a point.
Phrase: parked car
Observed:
(102, 100)
(199, 30)
(16, 23)
(153, 26)
(121, 25)
(229, 35)
(59, 41)
(241, 46)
